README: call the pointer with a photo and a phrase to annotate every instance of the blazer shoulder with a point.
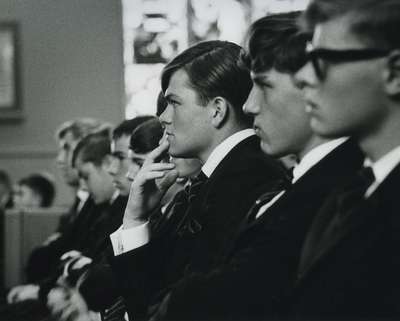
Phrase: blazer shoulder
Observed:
(247, 157)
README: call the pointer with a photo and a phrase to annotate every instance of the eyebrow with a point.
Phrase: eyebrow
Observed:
(259, 79)
(170, 97)
(118, 153)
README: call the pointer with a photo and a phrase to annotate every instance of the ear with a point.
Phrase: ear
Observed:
(37, 199)
(219, 111)
(392, 83)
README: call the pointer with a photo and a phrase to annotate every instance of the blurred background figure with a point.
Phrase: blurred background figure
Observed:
(68, 135)
(120, 162)
(44, 257)
(93, 291)
(6, 200)
(34, 191)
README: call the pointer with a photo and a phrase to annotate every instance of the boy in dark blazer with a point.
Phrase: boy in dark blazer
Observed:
(205, 88)
(350, 259)
(259, 274)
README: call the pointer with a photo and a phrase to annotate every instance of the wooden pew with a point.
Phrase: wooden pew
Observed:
(23, 231)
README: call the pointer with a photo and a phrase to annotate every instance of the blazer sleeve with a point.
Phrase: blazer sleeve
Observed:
(248, 286)
(141, 273)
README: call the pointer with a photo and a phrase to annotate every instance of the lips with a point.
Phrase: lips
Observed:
(257, 129)
(310, 105)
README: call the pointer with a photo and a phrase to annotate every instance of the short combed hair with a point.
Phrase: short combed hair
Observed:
(213, 70)
(146, 136)
(93, 148)
(276, 42)
(128, 126)
(81, 127)
(162, 103)
(5, 179)
(376, 22)
(42, 185)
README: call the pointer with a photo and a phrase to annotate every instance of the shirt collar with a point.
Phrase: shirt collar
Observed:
(82, 195)
(114, 196)
(383, 166)
(219, 152)
(314, 156)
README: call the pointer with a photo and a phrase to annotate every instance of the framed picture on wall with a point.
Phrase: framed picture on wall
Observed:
(10, 102)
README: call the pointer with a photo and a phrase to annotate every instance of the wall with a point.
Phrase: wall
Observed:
(70, 66)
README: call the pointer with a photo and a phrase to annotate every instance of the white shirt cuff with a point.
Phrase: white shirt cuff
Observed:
(126, 240)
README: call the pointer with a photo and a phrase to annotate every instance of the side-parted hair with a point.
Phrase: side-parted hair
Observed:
(376, 22)
(93, 148)
(128, 126)
(81, 127)
(146, 136)
(42, 185)
(5, 179)
(213, 70)
(275, 41)
(161, 103)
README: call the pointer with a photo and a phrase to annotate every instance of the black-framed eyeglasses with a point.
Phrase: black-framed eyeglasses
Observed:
(319, 56)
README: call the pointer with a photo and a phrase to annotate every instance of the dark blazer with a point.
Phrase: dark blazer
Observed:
(219, 208)
(355, 273)
(257, 278)
(45, 258)
(91, 239)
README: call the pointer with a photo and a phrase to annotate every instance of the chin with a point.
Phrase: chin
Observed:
(175, 153)
(266, 148)
(325, 130)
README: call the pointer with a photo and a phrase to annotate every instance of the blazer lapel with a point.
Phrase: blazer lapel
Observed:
(302, 189)
(316, 247)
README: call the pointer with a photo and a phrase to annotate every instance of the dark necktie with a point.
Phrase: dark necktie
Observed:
(352, 196)
(178, 211)
(189, 225)
(344, 204)
(195, 186)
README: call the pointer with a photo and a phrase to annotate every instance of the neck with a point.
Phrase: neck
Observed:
(313, 142)
(382, 139)
(222, 134)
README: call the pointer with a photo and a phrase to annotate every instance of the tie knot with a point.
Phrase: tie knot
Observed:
(366, 176)
(290, 173)
(195, 185)
(200, 178)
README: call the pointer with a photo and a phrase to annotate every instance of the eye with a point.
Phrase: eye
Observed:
(266, 84)
(173, 103)
(262, 84)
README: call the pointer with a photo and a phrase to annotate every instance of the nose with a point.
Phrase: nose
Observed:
(61, 158)
(252, 104)
(305, 77)
(165, 117)
(132, 172)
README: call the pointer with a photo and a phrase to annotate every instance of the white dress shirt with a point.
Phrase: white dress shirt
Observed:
(83, 196)
(306, 163)
(382, 168)
(124, 240)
